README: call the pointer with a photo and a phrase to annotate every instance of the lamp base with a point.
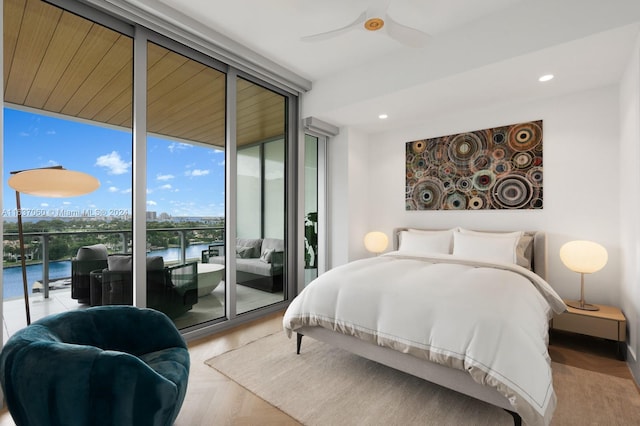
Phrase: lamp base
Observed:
(584, 306)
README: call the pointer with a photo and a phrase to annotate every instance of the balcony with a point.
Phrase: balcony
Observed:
(50, 289)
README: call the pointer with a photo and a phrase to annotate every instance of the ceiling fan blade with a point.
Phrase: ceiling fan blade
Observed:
(329, 34)
(406, 35)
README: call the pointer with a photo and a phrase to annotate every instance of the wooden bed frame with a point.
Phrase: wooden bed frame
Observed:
(454, 379)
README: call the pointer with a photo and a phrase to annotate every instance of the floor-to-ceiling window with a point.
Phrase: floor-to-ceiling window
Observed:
(316, 138)
(67, 102)
(72, 72)
(310, 208)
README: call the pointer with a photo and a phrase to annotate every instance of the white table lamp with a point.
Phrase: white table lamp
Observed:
(584, 257)
(376, 242)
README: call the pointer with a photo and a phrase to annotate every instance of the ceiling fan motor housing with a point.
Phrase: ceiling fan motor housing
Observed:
(374, 24)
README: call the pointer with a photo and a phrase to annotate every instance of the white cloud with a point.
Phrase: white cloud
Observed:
(196, 172)
(113, 189)
(167, 186)
(44, 204)
(178, 146)
(66, 203)
(165, 177)
(113, 163)
(151, 203)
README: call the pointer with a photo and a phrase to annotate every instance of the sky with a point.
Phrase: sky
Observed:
(182, 179)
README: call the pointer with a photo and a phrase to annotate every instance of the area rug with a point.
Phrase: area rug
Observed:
(329, 386)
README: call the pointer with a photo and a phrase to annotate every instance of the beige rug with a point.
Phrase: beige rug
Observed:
(329, 386)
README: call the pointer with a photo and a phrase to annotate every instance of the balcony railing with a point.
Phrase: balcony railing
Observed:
(124, 246)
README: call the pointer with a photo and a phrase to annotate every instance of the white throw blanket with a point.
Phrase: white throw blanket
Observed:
(488, 319)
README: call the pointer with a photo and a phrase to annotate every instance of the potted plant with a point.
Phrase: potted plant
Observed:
(311, 240)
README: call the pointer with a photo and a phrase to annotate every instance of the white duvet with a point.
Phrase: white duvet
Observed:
(488, 319)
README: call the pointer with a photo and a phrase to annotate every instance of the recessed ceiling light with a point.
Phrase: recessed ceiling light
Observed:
(383, 116)
(546, 77)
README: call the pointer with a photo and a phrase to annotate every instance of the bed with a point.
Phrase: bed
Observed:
(464, 309)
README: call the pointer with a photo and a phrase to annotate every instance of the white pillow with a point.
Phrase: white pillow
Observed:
(524, 249)
(433, 231)
(437, 242)
(488, 248)
(491, 234)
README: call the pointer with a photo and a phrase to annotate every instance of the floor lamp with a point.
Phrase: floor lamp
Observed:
(56, 182)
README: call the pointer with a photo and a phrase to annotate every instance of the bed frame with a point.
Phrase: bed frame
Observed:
(454, 379)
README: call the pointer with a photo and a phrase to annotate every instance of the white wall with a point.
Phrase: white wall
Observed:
(348, 194)
(581, 183)
(630, 203)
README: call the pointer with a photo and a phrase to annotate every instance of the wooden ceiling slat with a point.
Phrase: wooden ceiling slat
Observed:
(212, 133)
(203, 113)
(97, 43)
(179, 101)
(166, 92)
(121, 103)
(125, 119)
(121, 83)
(206, 126)
(66, 40)
(154, 54)
(13, 12)
(112, 62)
(197, 95)
(59, 62)
(259, 132)
(163, 63)
(261, 113)
(38, 25)
(259, 103)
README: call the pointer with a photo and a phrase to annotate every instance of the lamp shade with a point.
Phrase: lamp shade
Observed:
(53, 182)
(376, 241)
(585, 257)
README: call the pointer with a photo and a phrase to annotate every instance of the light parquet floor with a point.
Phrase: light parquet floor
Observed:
(212, 398)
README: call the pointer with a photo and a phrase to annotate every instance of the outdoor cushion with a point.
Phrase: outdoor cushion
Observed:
(254, 243)
(94, 252)
(120, 263)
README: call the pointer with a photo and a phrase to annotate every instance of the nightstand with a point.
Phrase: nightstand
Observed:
(607, 323)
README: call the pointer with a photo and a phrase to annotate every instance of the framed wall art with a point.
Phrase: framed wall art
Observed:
(498, 168)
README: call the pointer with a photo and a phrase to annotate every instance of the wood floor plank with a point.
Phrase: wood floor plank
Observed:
(212, 398)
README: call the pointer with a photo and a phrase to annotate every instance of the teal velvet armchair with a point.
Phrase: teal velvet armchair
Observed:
(107, 365)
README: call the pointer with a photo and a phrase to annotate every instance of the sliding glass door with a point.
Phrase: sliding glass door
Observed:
(190, 153)
(185, 194)
(260, 249)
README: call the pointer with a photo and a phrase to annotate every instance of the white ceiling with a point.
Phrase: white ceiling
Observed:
(480, 52)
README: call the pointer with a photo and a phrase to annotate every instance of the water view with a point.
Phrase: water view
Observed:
(12, 276)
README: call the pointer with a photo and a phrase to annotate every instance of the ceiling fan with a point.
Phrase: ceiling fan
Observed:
(377, 19)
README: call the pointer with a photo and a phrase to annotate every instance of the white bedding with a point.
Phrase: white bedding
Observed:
(488, 319)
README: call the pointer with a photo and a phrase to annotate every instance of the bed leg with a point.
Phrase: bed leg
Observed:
(298, 342)
(517, 420)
